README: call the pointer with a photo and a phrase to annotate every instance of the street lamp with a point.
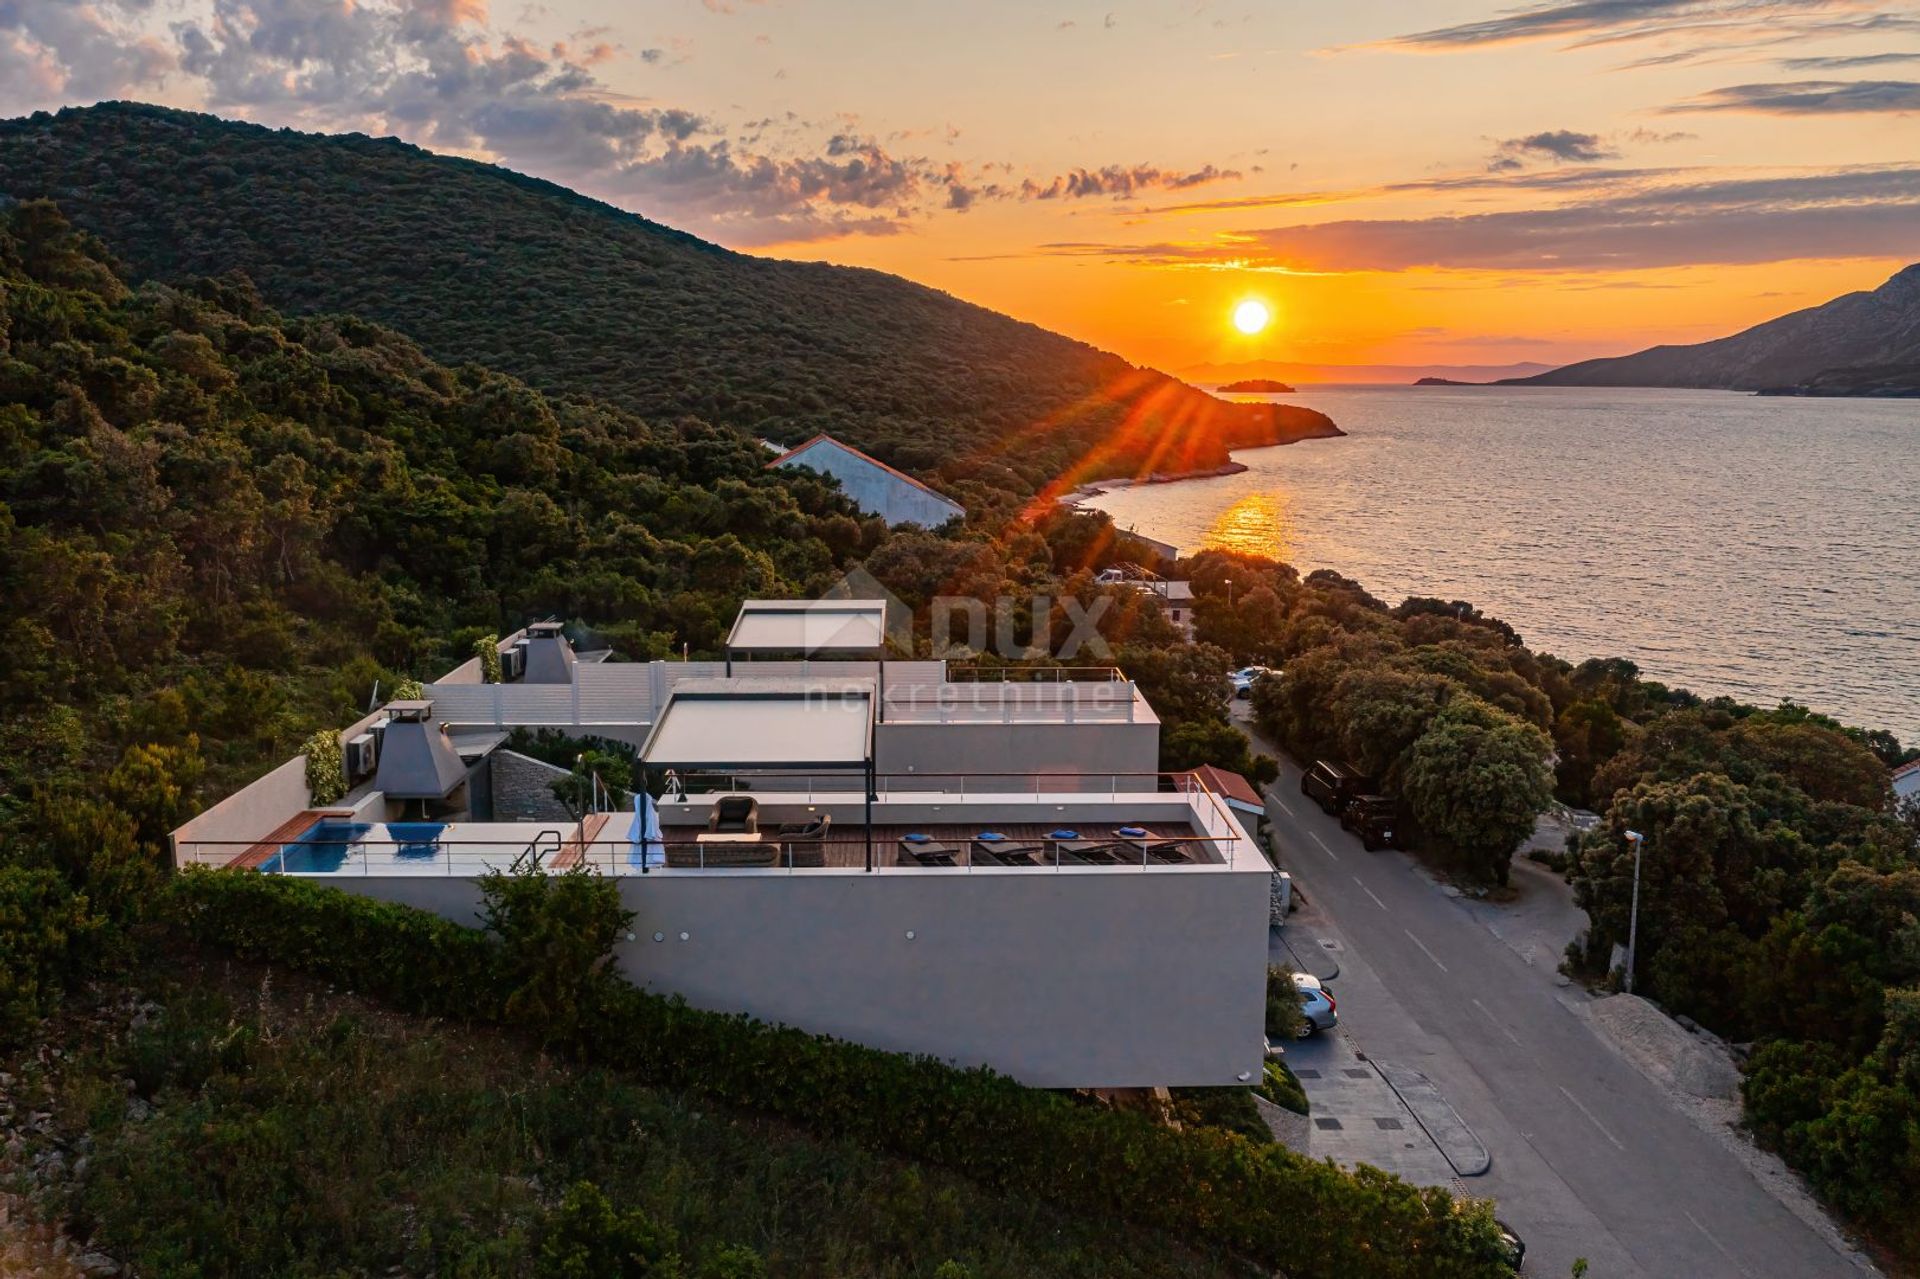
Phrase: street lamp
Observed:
(1638, 841)
(1229, 592)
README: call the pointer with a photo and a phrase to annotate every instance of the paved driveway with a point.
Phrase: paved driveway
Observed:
(1590, 1159)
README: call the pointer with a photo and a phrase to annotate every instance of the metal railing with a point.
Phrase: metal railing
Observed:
(613, 852)
(957, 674)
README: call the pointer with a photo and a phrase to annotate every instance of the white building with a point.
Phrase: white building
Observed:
(1906, 782)
(873, 486)
(921, 858)
(1175, 598)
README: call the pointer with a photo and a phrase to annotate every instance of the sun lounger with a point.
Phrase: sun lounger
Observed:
(925, 852)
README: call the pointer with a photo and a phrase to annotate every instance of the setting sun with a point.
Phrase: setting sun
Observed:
(1251, 316)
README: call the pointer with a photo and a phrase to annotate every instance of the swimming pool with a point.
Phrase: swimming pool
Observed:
(329, 844)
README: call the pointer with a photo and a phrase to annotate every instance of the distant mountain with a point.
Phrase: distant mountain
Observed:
(1257, 386)
(1300, 374)
(1443, 381)
(1865, 343)
(481, 264)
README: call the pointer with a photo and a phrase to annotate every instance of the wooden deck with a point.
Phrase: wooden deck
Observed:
(286, 833)
(846, 848)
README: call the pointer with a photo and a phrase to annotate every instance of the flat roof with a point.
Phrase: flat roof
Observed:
(810, 626)
(768, 724)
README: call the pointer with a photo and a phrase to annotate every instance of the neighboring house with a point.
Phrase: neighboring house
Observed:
(1237, 793)
(819, 855)
(1175, 598)
(1906, 782)
(873, 486)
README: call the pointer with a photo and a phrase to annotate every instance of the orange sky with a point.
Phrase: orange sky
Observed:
(1449, 183)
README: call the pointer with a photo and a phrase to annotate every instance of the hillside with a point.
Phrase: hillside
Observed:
(1865, 343)
(481, 264)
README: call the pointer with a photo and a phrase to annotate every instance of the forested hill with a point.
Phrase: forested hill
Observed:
(1865, 343)
(481, 264)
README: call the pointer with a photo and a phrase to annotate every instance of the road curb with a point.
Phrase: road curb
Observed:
(1436, 1114)
(1323, 965)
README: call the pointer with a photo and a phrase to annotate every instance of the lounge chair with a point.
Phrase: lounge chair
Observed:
(734, 815)
(924, 850)
(804, 844)
(1146, 847)
(991, 848)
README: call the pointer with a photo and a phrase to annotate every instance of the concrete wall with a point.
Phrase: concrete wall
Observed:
(1072, 979)
(876, 490)
(1097, 750)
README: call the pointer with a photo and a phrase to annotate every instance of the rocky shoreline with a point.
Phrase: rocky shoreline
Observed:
(1094, 488)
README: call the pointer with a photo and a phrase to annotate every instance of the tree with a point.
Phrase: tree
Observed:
(1476, 781)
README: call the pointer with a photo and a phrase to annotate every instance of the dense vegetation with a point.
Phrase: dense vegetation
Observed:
(481, 264)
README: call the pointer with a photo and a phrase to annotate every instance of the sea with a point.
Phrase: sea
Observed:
(1760, 547)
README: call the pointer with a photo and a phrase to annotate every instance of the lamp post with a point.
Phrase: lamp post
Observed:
(1229, 592)
(1638, 841)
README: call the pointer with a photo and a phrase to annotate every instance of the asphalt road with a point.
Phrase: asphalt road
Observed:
(1590, 1159)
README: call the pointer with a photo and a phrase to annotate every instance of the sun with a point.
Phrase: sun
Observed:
(1251, 316)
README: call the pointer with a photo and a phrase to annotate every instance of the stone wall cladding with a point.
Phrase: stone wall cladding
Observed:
(523, 789)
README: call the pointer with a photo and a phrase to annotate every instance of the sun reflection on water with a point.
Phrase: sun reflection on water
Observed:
(1257, 524)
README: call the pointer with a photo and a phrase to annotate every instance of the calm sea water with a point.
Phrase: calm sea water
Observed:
(1763, 548)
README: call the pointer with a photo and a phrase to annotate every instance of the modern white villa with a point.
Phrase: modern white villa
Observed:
(982, 866)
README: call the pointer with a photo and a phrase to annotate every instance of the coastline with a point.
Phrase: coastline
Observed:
(1094, 488)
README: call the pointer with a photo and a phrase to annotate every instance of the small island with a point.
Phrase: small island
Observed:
(1443, 381)
(1258, 386)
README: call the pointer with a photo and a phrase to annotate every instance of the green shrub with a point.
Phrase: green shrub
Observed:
(1284, 1018)
(586, 1239)
(557, 931)
(1229, 1109)
(1206, 1186)
(408, 690)
(487, 649)
(1279, 1085)
(45, 930)
(326, 768)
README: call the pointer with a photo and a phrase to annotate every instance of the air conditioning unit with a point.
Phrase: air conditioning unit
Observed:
(513, 662)
(362, 756)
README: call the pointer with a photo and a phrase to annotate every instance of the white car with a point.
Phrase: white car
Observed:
(1243, 679)
(1317, 1008)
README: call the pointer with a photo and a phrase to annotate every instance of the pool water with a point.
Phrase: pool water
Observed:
(324, 847)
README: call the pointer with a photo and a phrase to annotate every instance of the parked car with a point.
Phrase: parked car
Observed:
(1513, 1248)
(1243, 679)
(1331, 785)
(1375, 819)
(1317, 1009)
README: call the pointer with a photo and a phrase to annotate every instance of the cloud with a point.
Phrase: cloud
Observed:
(1846, 62)
(1121, 181)
(1562, 146)
(1810, 97)
(1742, 219)
(1703, 27)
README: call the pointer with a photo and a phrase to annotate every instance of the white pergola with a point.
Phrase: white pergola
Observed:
(740, 725)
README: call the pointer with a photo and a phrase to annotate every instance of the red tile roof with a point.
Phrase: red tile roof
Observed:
(1229, 786)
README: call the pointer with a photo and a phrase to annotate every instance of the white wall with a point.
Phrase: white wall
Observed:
(1095, 978)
